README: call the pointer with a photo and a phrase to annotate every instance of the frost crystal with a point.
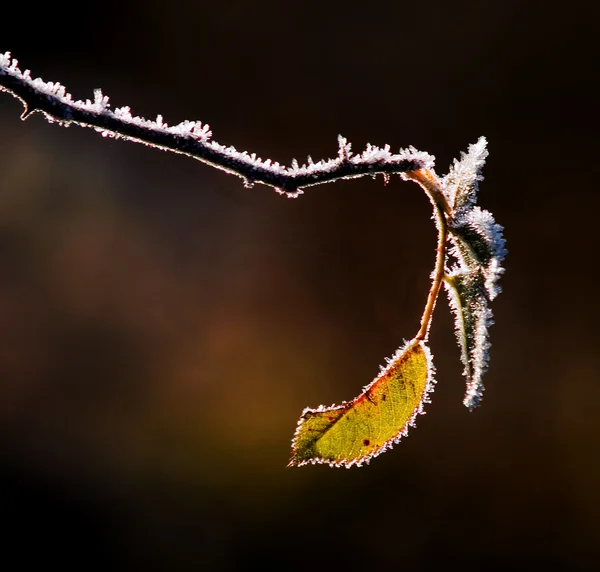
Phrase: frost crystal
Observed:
(357, 431)
(460, 184)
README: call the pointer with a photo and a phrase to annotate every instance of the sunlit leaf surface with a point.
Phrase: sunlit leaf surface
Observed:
(354, 432)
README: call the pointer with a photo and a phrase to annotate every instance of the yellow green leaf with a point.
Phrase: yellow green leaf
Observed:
(358, 430)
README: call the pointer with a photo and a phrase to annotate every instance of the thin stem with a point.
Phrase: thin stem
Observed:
(438, 277)
(430, 185)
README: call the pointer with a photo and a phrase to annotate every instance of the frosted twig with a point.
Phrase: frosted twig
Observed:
(192, 138)
(475, 241)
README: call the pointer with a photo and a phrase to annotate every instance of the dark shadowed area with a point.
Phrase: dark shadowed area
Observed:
(162, 327)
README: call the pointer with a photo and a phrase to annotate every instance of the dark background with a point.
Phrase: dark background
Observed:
(162, 327)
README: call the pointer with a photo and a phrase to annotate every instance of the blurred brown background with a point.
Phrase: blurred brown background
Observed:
(162, 327)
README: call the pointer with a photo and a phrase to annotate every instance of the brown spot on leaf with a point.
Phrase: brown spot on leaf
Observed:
(366, 442)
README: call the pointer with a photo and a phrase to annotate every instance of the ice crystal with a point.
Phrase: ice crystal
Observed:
(461, 183)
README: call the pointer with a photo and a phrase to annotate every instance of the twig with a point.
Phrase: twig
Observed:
(193, 139)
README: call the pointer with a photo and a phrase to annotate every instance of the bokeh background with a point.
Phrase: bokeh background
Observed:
(162, 327)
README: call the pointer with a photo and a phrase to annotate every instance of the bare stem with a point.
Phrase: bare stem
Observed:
(430, 185)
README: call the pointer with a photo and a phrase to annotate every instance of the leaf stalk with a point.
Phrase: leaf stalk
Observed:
(429, 183)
